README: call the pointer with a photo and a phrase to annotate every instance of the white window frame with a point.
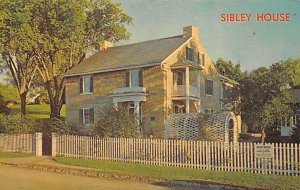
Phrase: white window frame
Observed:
(83, 84)
(202, 58)
(130, 74)
(193, 57)
(83, 116)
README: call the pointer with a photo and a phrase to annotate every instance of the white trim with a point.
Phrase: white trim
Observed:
(83, 85)
(114, 69)
(83, 117)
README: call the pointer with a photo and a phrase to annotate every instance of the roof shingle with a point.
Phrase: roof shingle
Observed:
(133, 55)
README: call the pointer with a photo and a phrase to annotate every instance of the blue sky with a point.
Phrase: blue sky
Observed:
(253, 44)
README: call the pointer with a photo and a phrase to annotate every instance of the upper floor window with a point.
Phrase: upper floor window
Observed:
(86, 85)
(189, 54)
(86, 116)
(209, 87)
(134, 78)
(201, 58)
(179, 78)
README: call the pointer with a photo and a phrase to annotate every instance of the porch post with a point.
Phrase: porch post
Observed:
(187, 89)
(137, 111)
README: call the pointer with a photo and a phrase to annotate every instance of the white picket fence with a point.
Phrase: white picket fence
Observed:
(181, 153)
(18, 143)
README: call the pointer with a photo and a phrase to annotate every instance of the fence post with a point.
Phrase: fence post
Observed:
(53, 136)
(39, 144)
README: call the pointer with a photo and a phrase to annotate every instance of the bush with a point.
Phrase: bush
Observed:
(62, 127)
(16, 125)
(112, 122)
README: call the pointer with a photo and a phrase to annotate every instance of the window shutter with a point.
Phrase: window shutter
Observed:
(141, 78)
(187, 53)
(81, 85)
(127, 79)
(81, 116)
(92, 84)
(92, 115)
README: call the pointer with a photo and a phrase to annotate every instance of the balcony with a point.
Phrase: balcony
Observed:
(127, 94)
(180, 91)
(129, 90)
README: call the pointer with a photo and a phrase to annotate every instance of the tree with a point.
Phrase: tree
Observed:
(112, 122)
(229, 69)
(16, 45)
(231, 98)
(65, 31)
(265, 96)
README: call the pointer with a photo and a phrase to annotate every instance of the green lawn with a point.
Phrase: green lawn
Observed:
(173, 173)
(41, 111)
(14, 154)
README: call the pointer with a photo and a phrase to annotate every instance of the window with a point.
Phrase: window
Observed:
(209, 87)
(179, 78)
(134, 78)
(86, 116)
(209, 111)
(189, 54)
(86, 85)
(201, 58)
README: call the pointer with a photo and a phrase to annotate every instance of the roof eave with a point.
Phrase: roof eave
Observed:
(113, 69)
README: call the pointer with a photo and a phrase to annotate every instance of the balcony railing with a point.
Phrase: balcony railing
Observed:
(128, 90)
(180, 91)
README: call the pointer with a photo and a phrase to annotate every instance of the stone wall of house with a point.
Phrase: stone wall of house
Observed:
(153, 111)
(104, 83)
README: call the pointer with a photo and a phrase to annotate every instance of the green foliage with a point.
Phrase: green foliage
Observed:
(62, 127)
(112, 122)
(296, 78)
(9, 93)
(16, 125)
(229, 69)
(265, 96)
(3, 108)
(51, 37)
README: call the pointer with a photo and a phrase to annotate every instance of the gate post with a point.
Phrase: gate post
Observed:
(39, 144)
(53, 135)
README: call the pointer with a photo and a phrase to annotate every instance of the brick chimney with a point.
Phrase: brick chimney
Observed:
(190, 31)
(103, 45)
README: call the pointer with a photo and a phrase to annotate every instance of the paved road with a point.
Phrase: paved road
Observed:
(13, 178)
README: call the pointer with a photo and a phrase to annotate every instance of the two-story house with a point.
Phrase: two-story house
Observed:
(153, 78)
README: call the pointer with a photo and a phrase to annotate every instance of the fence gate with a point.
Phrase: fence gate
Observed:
(47, 144)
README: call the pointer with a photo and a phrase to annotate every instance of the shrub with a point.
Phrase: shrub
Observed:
(16, 125)
(62, 127)
(112, 122)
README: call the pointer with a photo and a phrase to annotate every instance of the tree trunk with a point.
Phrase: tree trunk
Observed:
(54, 102)
(23, 98)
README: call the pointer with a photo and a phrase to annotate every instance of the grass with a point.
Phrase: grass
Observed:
(14, 154)
(187, 174)
(40, 111)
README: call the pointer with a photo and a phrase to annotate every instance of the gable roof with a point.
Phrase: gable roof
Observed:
(148, 53)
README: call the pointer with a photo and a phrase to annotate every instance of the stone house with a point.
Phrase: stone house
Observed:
(153, 78)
